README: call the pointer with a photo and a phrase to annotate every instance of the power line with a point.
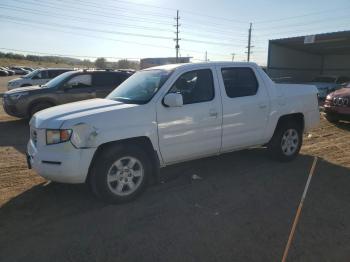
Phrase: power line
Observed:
(128, 17)
(89, 20)
(95, 13)
(206, 16)
(302, 15)
(78, 18)
(86, 29)
(308, 23)
(111, 31)
(111, 39)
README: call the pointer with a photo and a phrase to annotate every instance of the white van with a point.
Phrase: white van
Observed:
(37, 77)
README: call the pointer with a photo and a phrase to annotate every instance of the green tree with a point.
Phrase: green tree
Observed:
(101, 63)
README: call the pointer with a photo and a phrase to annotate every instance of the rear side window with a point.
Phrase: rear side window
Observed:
(195, 86)
(106, 79)
(54, 73)
(239, 81)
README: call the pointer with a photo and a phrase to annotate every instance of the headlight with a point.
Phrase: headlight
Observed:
(17, 96)
(55, 136)
(329, 97)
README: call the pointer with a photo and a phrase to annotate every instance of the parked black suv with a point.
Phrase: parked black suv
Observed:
(65, 88)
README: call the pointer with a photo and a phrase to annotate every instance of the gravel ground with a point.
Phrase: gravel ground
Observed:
(240, 210)
(3, 82)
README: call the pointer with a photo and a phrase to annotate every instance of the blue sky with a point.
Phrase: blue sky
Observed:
(135, 29)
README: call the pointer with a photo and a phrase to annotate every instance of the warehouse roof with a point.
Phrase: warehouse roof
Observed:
(327, 43)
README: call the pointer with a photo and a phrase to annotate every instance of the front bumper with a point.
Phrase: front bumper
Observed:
(61, 162)
(13, 109)
(341, 112)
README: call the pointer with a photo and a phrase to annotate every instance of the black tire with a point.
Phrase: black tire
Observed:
(103, 164)
(278, 143)
(38, 107)
(332, 118)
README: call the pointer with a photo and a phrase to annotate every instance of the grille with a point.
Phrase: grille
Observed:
(340, 101)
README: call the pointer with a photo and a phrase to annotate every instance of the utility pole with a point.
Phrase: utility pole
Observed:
(249, 42)
(206, 56)
(233, 56)
(177, 46)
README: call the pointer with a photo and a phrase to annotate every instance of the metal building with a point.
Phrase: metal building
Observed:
(299, 59)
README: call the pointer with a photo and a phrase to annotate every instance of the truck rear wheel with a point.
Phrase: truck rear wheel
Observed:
(120, 173)
(286, 141)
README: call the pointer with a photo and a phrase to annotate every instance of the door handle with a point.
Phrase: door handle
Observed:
(213, 113)
(262, 106)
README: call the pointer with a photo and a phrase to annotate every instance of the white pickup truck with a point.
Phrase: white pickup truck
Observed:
(165, 115)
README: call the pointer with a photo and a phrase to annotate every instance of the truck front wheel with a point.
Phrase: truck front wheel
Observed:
(120, 173)
(286, 141)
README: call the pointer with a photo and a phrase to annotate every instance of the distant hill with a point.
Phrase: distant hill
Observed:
(12, 59)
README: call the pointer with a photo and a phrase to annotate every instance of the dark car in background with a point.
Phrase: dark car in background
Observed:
(36, 77)
(3, 72)
(19, 70)
(68, 87)
(8, 70)
(328, 84)
(337, 105)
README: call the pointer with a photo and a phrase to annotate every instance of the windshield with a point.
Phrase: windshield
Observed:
(324, 79)
(58, 79)
(31, 74)
(140, 87)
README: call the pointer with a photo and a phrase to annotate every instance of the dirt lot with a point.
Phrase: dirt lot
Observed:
(3, 82)
(241, 209)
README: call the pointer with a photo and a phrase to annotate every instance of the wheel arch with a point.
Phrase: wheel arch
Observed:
(38, 101)
(140, 141)
(297, 117)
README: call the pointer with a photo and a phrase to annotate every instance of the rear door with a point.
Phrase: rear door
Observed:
(194, 129)
(245, 107)
(105, 82)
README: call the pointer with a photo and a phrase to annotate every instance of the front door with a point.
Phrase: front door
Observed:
(194, 129)
(40, 78)
(78, 88)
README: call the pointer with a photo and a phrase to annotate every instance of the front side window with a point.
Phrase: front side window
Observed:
(140, 87)
(79, 81)
(239, 81)
(195, 86)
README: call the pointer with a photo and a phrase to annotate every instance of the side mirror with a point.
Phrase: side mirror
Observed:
(173, 100)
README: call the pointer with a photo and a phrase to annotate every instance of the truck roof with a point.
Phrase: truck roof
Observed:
(194, 65)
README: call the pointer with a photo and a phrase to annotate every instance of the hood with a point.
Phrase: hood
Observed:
(54, 117)
(24, 89)
(342, 92)
(15, 80)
